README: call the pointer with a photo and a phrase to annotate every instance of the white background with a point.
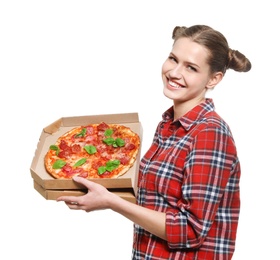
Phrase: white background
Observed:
(72, 58)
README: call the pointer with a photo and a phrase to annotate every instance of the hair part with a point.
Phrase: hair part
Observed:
(221, 57)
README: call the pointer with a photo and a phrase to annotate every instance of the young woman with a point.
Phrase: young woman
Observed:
(188, 198)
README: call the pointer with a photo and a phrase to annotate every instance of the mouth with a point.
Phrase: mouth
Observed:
(174, 84)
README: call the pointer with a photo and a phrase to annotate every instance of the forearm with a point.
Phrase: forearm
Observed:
(150, 220)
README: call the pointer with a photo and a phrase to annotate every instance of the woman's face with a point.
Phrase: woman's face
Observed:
(185, 73)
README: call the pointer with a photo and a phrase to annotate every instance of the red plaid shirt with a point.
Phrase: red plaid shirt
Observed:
(191, 172)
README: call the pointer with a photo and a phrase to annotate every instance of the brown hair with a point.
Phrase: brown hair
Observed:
(221, 57)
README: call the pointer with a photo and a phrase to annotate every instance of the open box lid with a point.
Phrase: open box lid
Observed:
(50, 134)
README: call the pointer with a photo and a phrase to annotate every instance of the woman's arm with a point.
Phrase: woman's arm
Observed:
(98, 198)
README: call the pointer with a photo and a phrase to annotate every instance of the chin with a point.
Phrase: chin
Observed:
(169, 94)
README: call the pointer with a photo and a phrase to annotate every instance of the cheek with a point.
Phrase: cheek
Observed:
(164, 67)
(163, 72)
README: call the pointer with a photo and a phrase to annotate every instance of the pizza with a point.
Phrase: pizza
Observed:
(93, 151)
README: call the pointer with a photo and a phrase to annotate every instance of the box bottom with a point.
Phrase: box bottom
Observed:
(127, 194)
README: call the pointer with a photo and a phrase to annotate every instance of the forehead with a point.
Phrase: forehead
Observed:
(190, 51)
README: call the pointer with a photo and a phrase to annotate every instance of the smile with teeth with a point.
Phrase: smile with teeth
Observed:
(174, 85)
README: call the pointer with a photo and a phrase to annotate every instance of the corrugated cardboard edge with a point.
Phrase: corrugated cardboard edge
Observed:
(54, 127)
(81, 120)
(54, 194)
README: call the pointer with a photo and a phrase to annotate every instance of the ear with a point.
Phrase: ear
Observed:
(214, 80)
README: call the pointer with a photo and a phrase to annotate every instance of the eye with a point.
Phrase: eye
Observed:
(189, 67)
(172, 58)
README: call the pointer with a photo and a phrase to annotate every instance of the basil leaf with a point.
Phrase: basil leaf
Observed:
(111, 165)
(90, 149)
(58, 164)
(82, 133)
(55, 148)
(119, 142)
(109, 141)
(101, 170)
(108, 132)
(80, 162)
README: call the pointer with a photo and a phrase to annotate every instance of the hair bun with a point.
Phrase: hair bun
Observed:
(238, 61)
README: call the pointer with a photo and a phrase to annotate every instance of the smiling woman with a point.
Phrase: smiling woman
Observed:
(188, 71)
(188, 199)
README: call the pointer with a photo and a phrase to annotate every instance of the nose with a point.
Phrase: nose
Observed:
(176, 71)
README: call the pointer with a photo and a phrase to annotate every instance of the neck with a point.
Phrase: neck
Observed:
(181, 109)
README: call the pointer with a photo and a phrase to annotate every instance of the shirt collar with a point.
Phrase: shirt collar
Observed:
(191, 117)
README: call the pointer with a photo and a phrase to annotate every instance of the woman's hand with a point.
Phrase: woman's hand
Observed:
(97, 197)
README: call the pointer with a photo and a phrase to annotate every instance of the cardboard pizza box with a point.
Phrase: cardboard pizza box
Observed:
(127, 194)
(51, 188)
